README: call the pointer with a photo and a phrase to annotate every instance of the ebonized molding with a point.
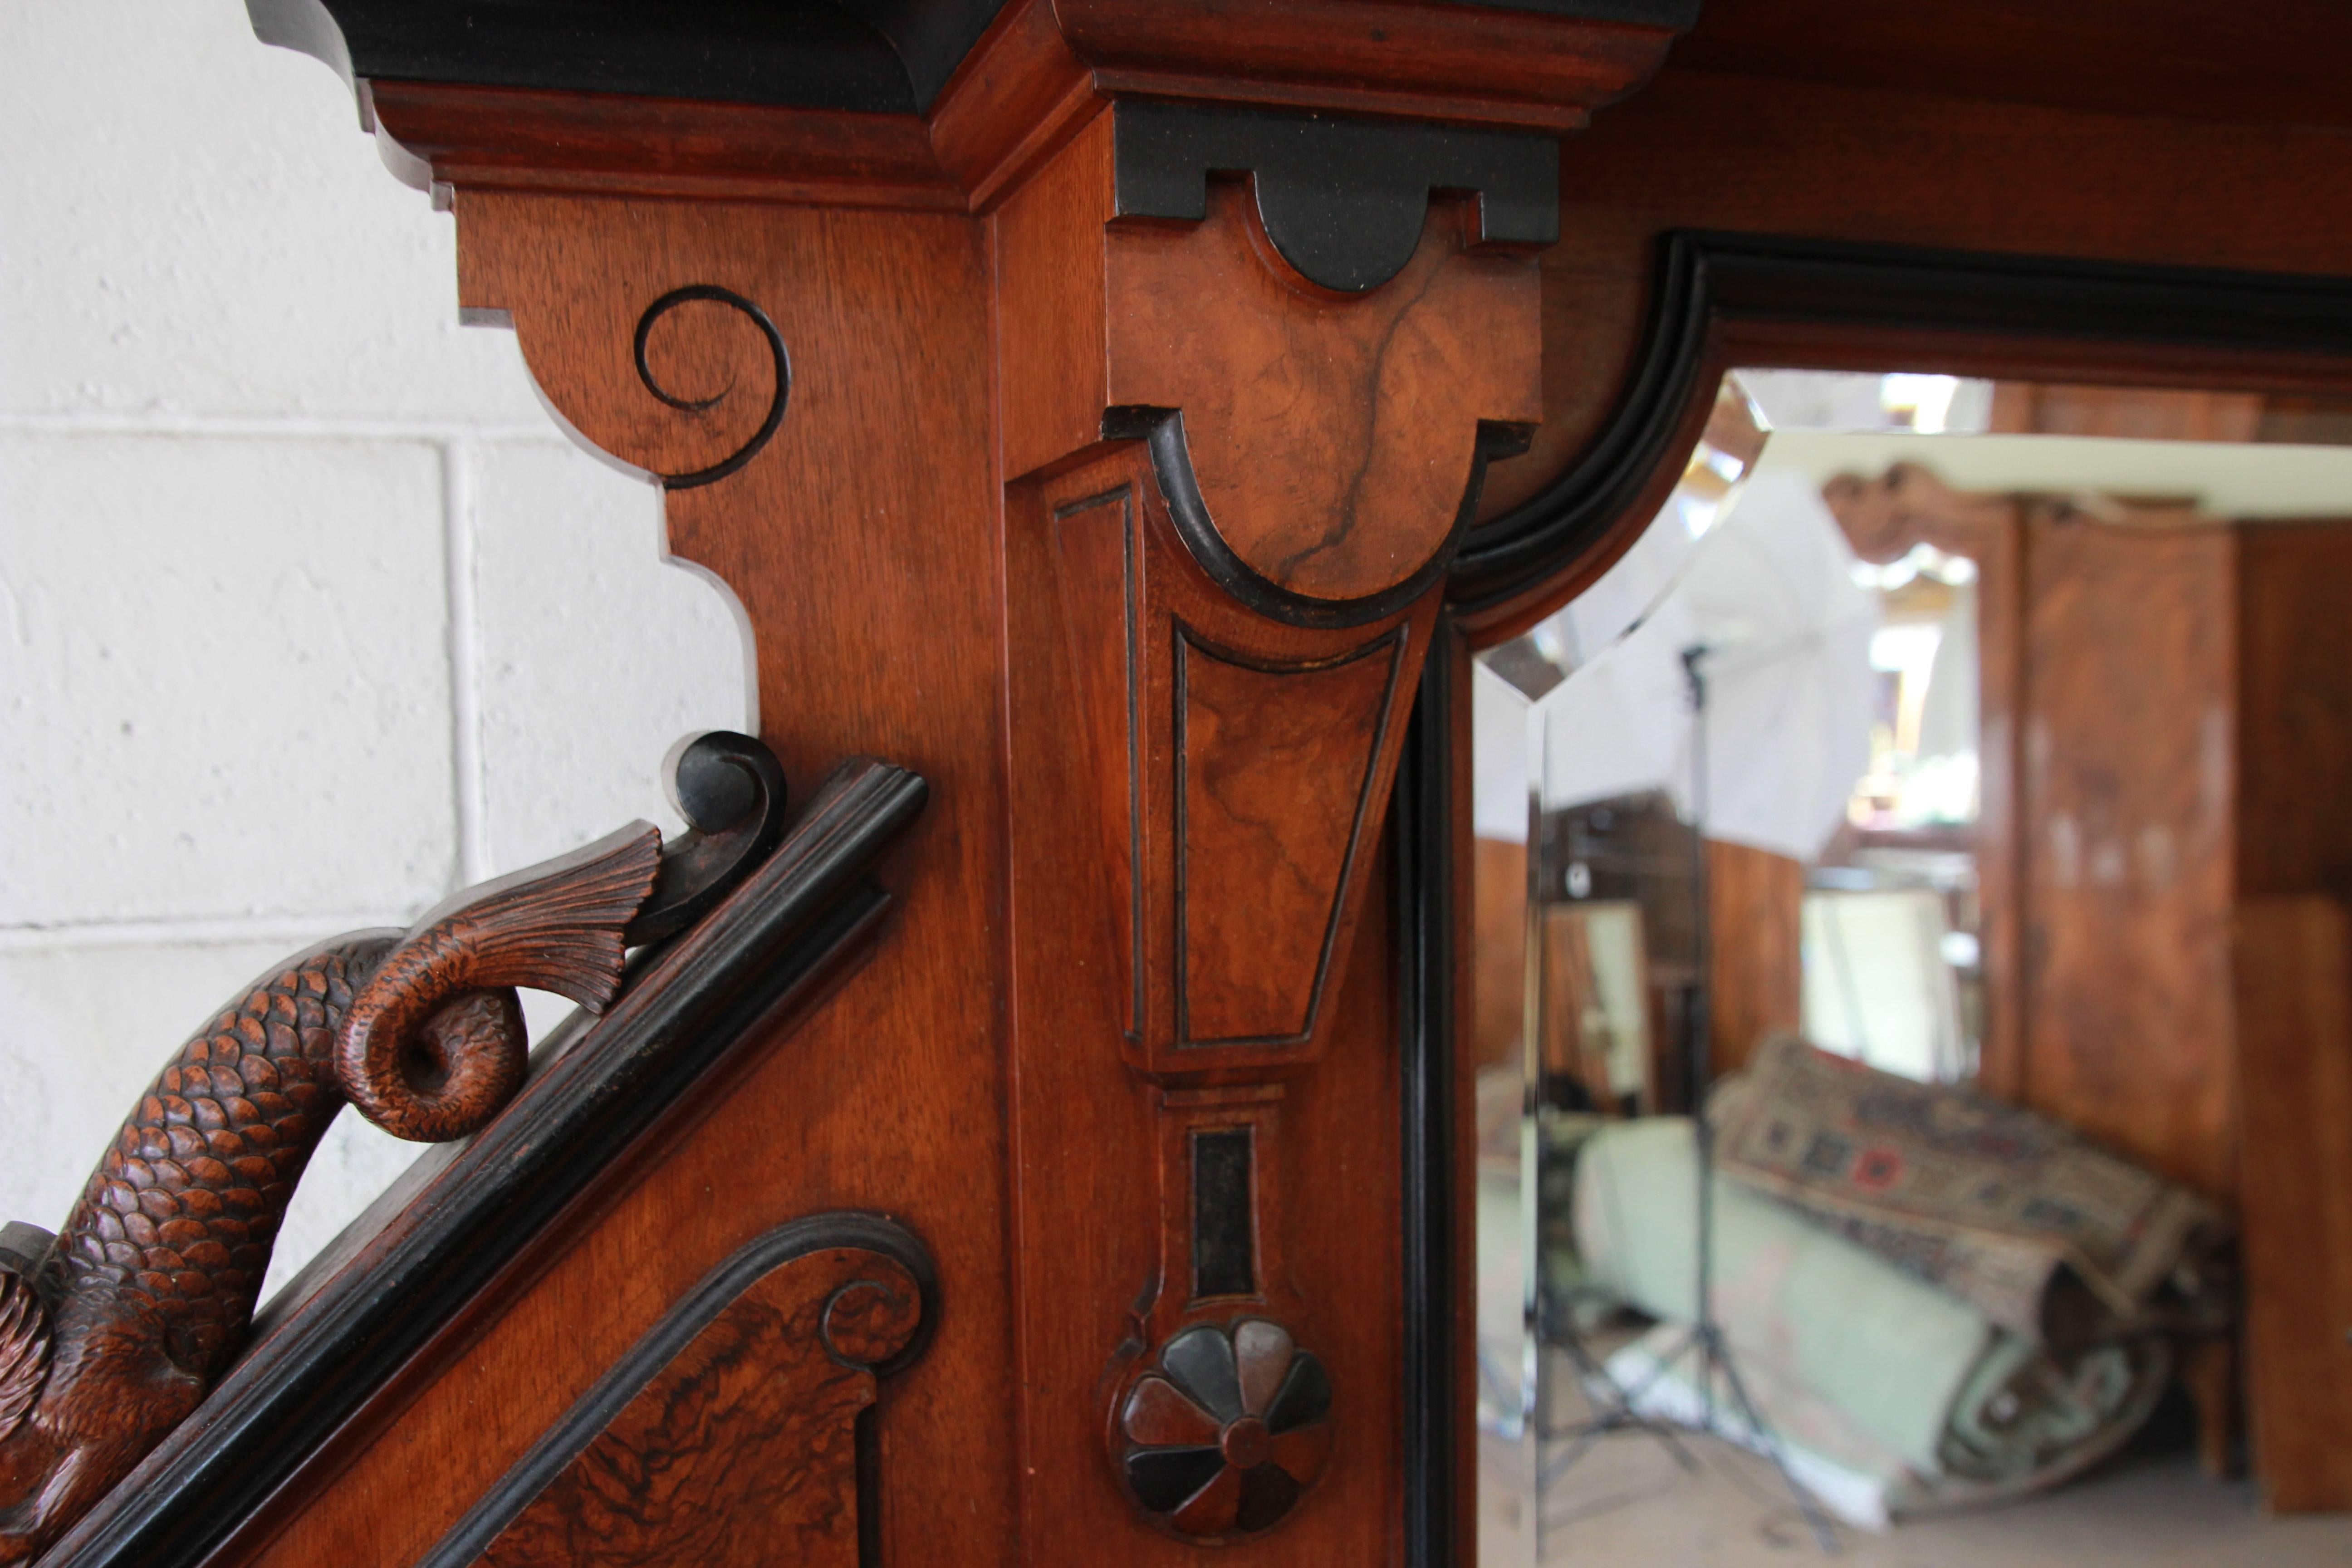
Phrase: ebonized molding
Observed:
(876, 56)
(581, 1426)
(1707, 280)
(465, 1213)
(1343, 200)
(1424, 887)
(1162, 430)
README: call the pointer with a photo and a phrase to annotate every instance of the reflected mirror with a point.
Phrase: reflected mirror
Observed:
(1860, 1057)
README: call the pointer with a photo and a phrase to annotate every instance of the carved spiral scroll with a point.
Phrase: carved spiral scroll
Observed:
(434, 1044)
(731, 790)
(776, 415)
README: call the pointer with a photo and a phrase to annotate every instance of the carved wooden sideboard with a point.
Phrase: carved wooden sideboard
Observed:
(1106, 412)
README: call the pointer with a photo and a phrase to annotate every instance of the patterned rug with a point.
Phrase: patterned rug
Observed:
(1988, 1201)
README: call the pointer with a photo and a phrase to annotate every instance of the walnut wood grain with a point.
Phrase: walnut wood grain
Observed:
(456, 135)
(2294, 991)
(1756, 980)
(1236, 773)
(1040, 71)
(1102, 594)
(902, 603)
(1276, 768)
(1713, 148)
(405, 1290)
(2294, 708)
(728, 1434)
(859, 544)
(1206, 318)
(2131, 639)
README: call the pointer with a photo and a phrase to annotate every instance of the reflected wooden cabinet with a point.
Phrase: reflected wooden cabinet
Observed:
(2180, 692)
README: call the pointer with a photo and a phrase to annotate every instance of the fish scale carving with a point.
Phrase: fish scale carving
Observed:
(180, 1214)
(111, 1332)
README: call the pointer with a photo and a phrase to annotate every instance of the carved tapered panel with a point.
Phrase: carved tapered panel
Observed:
(728, 1436)
(1274, 776)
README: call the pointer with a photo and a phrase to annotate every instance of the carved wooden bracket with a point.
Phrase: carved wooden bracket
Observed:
(728, 1434)
(113, 1336)
(1249, 448)
(1151, 358)
(1321, 442)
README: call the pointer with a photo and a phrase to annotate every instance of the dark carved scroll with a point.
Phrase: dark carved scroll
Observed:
(113, 1334)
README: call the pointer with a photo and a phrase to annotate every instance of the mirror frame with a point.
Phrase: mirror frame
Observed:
(1720, 300)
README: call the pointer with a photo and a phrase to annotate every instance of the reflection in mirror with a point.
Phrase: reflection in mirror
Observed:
(1892, 800)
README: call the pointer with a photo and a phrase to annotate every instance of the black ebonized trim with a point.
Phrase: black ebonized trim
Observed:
(1425, 916)
(581, 1425)
(775, 417)
(1343, 200)
(1172, 466)
(1224, 1211)
(1705, 278)
(878, 56)
(443, 1232)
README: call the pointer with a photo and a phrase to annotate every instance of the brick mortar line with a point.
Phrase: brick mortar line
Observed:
(191, 931)
(269, 429)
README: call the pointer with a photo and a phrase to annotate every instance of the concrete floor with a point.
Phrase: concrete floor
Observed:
(1627, 1501)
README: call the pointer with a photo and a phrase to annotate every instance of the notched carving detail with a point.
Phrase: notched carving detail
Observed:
(112, 1332)
(1341, 200)
(774, 340)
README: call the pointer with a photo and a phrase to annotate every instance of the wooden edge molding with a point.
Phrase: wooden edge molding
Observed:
(746, 1416)
(1162, 430)
(1039, 70)
(471, 1222)
(1717, 296)
(1439, 1420)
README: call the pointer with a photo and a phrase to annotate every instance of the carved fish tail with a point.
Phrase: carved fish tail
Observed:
(179, 1218)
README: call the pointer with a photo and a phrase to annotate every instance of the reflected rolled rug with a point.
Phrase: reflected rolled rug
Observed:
(1890, 1394)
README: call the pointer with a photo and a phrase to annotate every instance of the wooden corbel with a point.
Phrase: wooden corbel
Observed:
(1255, 363)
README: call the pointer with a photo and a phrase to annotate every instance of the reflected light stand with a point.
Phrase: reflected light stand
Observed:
(1704, 1342)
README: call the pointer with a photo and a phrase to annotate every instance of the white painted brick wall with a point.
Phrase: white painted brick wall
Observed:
(307, 615)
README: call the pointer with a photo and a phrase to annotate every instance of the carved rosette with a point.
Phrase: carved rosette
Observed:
(1224, 1431)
